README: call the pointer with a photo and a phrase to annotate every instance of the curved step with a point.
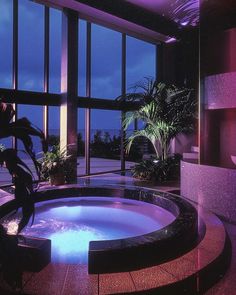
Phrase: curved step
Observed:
(192, 273)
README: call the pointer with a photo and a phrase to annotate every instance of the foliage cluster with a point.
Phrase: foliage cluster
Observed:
(55, 161)
(158, 170)
(166, 111)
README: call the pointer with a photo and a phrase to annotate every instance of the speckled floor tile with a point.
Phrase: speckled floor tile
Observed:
(49, 281)
(213, 246)
(115, 283)
(216, 233)
(200, 257)
(151, 277)
(180, 268)
(79, 282)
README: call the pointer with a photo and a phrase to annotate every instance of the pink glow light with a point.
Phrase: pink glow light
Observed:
(171, 40)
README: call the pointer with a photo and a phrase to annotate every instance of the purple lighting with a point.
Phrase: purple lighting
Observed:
(184, 23)
(72, 223)
(171, 40)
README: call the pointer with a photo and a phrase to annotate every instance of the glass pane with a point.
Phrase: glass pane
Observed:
(53, 126)
(5, 177)
(55, 51)
(35, 115)
(31, 45)
(141, 61)
(81, 170)
(6, 43)
(106, 63)
(105, 141)
(135, 154)
(82, 58)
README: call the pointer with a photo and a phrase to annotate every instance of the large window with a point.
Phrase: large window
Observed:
(105, 140)
(106, 77)
(53, 126)
(106, 62)
(140, 61)
(82, 55)
(35, 115)
(6, 27)
(31, 45)
(55, 51)
(81, 168)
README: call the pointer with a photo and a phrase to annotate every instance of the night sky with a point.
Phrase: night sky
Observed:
(106, 61)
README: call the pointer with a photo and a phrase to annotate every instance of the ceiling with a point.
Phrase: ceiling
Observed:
(183, 12)
(156, 19)
(217, 14)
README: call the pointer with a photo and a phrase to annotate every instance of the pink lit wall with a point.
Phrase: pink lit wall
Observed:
(228, 138)
(213, 188)
(220, 91)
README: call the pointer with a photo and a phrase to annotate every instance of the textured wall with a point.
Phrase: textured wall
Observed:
(218, 123)
(220, 91)
(212, 187)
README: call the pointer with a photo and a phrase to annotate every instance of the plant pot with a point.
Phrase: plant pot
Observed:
(57, 178)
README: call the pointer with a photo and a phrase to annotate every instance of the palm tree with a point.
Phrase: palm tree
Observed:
(23, 179)
(166, 112)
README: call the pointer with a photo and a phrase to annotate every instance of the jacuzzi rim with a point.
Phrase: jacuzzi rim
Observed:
(179, 208)
(173, 209)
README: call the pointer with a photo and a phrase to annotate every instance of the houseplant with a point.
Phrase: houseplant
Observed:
(55, 165)
(166, 111)
(22, 177)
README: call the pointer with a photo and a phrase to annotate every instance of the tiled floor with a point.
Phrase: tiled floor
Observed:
(227, 286)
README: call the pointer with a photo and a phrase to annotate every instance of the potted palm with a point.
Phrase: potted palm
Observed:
(55, 166)
(166, 111)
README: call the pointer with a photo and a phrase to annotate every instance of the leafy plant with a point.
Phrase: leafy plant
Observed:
(55, 161)
(166, 112)
(157, 169)
(23, 179)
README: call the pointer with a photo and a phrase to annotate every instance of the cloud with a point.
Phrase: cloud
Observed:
(6, 14)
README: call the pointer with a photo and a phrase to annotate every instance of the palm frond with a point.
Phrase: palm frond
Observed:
(140, 133)
(129, 118)
(6, 113)
(22, 129)
(12, 161)
(166, 110)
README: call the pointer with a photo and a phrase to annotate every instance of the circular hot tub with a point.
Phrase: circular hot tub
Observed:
(113, 229)
(71, 223)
